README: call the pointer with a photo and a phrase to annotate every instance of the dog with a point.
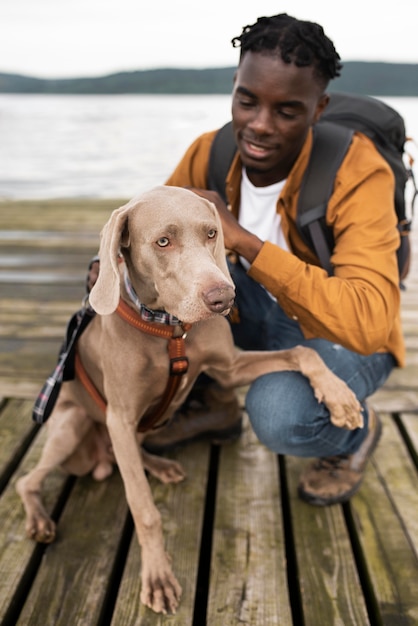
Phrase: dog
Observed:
(162, 252)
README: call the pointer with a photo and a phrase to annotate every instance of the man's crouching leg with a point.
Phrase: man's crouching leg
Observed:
(287, 418)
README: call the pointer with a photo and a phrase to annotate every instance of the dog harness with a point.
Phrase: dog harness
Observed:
(178, 363)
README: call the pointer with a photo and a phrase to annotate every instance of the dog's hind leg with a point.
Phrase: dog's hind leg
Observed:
(166, 470)
(67, 428)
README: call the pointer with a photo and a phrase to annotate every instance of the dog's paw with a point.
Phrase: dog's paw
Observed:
(160, 591)
(347, 416)
(41, 529)
(39, 526)
(166, 470)
(345, 410)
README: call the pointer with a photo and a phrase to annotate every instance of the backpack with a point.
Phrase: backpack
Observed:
(332, 136)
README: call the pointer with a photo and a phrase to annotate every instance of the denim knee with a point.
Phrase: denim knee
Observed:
(288, 419)
(273, 408)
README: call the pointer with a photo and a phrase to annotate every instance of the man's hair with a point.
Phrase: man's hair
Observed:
(295, 41)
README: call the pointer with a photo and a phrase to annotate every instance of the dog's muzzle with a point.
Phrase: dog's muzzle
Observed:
(219, 299)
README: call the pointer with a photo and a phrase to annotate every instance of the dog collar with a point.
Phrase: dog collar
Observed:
(148, 315)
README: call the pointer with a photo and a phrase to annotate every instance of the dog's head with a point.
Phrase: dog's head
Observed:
(172, 243)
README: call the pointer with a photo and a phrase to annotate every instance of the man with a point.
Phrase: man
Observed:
(284, 297)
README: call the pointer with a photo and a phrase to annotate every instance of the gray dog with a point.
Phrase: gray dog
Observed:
(165, 251)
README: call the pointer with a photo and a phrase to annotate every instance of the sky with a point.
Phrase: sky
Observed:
(72, 38)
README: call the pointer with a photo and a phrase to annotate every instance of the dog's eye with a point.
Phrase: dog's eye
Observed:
(163, 242)
(212, 233)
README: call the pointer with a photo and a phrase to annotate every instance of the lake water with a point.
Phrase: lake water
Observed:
(111, 146)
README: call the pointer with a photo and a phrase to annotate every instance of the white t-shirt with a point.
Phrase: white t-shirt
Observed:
(258, 213)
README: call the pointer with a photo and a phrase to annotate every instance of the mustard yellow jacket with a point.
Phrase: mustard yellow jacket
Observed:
(359, 306)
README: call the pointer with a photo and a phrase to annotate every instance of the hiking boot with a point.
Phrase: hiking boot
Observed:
(334, 479)
(210, 413)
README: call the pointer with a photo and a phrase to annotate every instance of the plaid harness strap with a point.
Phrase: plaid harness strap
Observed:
(64, 370)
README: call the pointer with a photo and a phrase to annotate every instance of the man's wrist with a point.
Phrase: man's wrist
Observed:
(249, 247)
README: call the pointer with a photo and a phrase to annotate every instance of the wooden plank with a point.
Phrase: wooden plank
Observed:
(248, 581)
(395, 400)
(48, 292)
(32, 324)
(72, 582)
(36, 323)
(410, 423)
(46, 248)
(16, 550)
(181, 507)
(28, 360)
(58, 310)
(16, 428)
(28, 248)
(399, 475)
(386, 530)
(403, 378)
(15, 387)
(56, 215)
(329, 583)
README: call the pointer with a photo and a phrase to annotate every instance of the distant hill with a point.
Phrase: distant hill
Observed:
(378, 79)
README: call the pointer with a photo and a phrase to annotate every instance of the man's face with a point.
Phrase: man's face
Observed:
(273, 105)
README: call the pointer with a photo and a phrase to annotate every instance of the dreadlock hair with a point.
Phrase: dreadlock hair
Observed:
(300, 42)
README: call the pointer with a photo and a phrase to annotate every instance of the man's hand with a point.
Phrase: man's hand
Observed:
(237, 238)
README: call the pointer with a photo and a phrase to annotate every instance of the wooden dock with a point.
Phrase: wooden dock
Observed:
(244, 548)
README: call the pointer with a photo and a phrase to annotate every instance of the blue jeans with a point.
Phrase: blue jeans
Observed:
(282, 408)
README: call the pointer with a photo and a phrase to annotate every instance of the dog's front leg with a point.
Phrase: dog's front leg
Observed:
(245, 366)
(160, 588)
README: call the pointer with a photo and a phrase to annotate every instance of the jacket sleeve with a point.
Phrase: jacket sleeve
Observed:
(358, 306)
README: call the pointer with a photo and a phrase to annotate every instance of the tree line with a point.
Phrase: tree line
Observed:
(372, 78)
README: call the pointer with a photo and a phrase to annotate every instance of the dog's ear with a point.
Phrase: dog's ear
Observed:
(104, 297)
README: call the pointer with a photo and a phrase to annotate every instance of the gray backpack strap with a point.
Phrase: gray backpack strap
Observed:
(222, 153)
(330, 145)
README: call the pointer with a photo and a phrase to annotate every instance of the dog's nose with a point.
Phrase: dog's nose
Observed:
(219, 299)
